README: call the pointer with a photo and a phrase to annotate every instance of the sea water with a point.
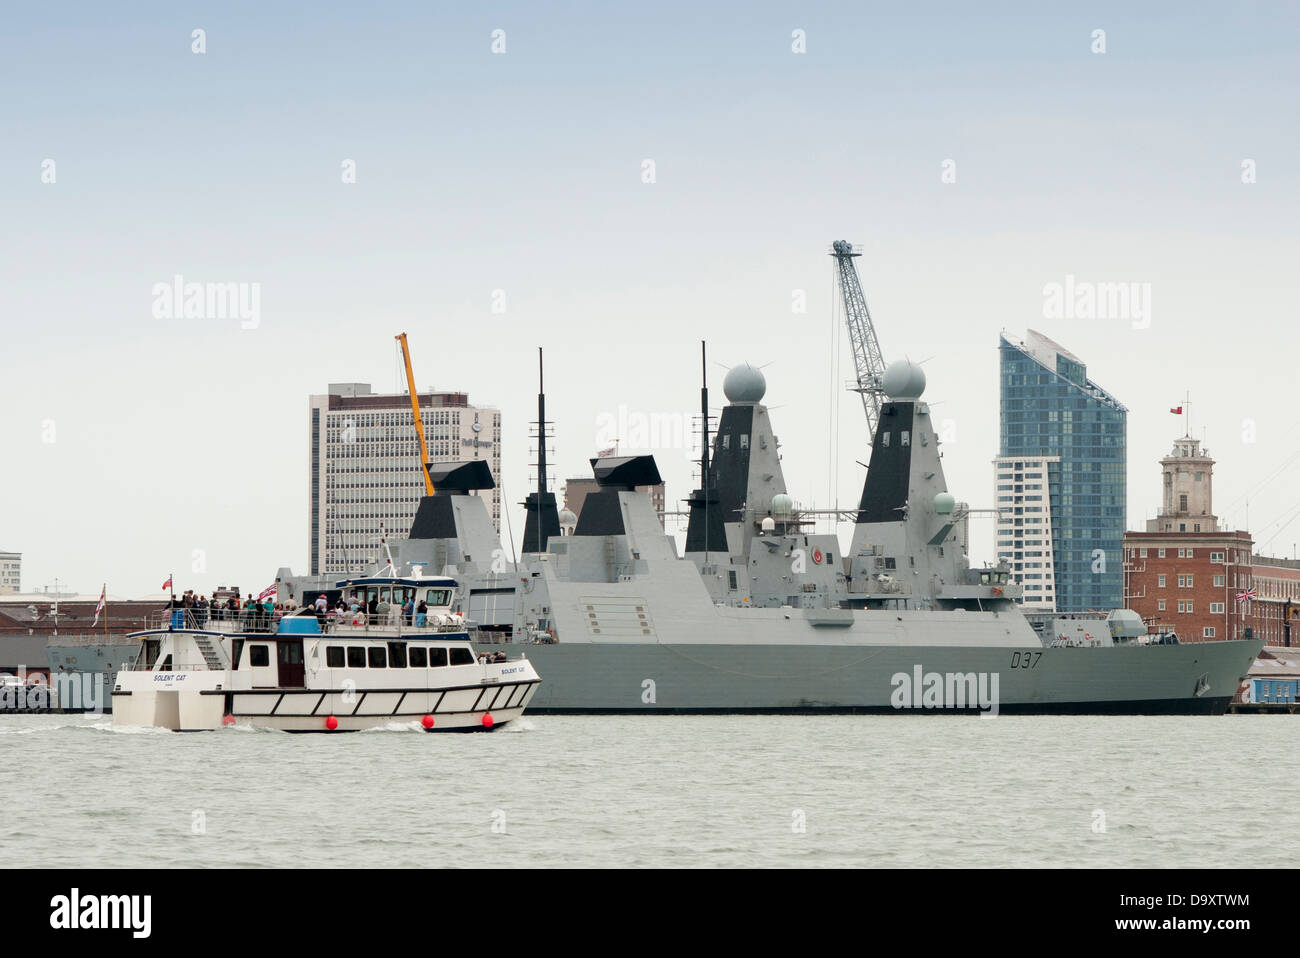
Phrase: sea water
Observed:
(678, 791)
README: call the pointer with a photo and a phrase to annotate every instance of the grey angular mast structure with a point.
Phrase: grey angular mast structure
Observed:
(867, 359)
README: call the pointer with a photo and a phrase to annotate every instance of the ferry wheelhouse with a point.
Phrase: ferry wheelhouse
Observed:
(361, 663)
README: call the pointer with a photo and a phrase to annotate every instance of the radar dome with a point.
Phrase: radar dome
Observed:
(943, 503)
(568, 521)
(903, 380)
(782, 505)
(744, 383)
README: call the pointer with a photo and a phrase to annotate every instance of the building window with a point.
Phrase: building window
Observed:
(1160, 582)
(1160, 553)
(1216, 608)
(1208, 632)
(1142, 553)
(1216, 557)
(1219, 581)
(1182, 503)
(1160, 605)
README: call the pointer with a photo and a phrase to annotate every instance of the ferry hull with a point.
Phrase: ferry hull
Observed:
(310, 711)
(1190, 679)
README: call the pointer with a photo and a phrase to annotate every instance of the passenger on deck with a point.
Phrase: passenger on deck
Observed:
(408, 609)
(422, 614)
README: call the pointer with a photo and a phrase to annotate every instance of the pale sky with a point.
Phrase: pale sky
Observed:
(131, 441)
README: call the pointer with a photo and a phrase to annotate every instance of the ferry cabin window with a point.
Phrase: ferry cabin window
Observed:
(334, 656)
(437, 596)
(461, 655)
(397, 655)
(259, 655)
(419, 657)
(437, 656)
(236, 652)
(378, 656)
(356, 656)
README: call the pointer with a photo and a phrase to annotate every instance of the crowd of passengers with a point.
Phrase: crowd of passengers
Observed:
(257, 615)
(356, 610)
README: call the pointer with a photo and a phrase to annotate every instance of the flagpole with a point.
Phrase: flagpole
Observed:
(105, 594)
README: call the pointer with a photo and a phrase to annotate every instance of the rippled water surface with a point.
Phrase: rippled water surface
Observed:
(658, 791)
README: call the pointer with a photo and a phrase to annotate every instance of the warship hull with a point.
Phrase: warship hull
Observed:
(1191, 679)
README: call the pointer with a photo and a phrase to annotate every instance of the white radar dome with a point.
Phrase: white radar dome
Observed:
(903, 380)
(782, 506)
(944, 503)
(744, 383)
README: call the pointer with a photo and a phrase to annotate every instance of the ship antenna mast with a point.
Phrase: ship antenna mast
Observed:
(541, 444)
(867, 359)
(704, 441)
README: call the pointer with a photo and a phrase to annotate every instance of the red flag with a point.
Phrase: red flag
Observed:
(103, 598)
(168, 583)
(1177, 410)
(266, 593)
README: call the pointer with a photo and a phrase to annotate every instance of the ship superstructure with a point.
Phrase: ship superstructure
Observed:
(762, 615)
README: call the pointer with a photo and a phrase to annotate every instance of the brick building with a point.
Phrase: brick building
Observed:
(1189, 575)
(1188, 582)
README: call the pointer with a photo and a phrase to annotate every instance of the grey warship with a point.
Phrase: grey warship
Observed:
(760, 615)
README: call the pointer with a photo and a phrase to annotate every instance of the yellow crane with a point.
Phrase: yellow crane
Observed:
(415, 411)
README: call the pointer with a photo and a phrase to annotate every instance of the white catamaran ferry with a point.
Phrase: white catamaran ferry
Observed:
(357, 663)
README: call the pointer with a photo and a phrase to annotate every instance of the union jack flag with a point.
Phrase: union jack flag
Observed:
(266, 593)
(1246, 596)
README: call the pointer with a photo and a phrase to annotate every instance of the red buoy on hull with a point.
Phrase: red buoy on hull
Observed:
(227, 720)
(331, 723)
(487, 720)
(427, 721)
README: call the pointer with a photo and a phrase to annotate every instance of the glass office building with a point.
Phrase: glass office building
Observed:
(1051, 411)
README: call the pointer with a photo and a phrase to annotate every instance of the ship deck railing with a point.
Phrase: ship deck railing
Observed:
(331, 623)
